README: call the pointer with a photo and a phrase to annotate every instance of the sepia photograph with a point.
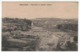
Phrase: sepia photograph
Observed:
(39, 26)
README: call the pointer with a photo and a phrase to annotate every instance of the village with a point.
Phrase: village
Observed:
(39, 35)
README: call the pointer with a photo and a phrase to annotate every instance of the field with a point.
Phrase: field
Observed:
(39, 34)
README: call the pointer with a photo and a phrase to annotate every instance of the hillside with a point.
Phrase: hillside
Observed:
(40, 35)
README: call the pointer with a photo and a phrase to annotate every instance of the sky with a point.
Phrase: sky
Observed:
(32, 10)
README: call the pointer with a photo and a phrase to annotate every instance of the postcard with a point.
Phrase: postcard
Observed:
(40, 26)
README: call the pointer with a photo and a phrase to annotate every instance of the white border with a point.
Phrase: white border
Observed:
(43, 0)
(79, 26)
(0, 23)
(39, 0)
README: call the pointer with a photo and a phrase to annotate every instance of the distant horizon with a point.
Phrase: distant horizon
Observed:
(40, 18)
